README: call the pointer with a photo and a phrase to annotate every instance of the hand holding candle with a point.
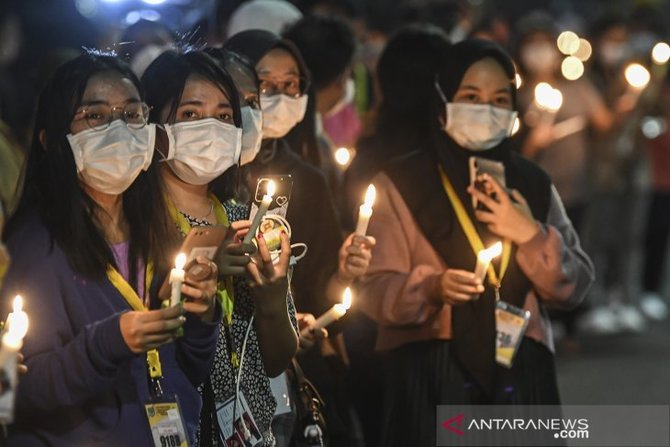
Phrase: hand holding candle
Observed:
(262, 209)
(365, 211)
(549, 100)
(484, 258)
(177, 279)
(335, 313)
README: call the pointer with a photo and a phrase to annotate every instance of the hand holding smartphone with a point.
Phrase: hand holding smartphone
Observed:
(479, 166)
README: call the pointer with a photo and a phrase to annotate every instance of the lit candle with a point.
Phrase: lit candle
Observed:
(335, 313)
(365, 211)
(177, 278)
(484, 258)
(638, 78)
(343, 157)
(12, 339)
(549, 100)
(262, 209)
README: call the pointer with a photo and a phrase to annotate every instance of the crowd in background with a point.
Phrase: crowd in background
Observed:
(369, 79)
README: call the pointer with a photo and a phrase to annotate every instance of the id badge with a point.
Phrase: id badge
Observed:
(244, 432)
(511, 323)
(166, 423)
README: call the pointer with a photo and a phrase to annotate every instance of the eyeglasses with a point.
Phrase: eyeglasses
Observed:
(100, 116)
(293, 86)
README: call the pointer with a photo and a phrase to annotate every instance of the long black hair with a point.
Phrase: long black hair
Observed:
(53, 188)
(406, 76)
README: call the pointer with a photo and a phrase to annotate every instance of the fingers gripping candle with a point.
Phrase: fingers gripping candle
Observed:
(335, 313)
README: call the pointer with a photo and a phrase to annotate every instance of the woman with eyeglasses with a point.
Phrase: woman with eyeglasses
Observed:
(91, 244)
(330, 264)
(450, 337)
(199, 107)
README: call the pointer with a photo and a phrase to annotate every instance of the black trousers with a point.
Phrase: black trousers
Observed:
(656, 240)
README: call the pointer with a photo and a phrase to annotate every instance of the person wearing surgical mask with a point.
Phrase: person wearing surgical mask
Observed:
(421, 287)
(331, 263)
(199, 108)
(91, 242)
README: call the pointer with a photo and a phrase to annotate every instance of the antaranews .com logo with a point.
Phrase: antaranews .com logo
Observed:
(562, 428)
(553, 425)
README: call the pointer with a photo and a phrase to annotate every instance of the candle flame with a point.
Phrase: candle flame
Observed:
(342, 156)
(661, 53)
(637, 76)
(346, 298)
(489, 253)
(271, 188)
(370, 196)
(17, 323)
(180, 261)
(547, 97)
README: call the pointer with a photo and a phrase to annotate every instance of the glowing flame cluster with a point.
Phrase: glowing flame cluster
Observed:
(547, 97)
(577, 51)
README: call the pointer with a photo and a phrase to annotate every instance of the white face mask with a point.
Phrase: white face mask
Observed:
(110, 160)
(202, 150)
(252, 134)
(612, 53)
(478, 127)
(281, 113)
(539, 56)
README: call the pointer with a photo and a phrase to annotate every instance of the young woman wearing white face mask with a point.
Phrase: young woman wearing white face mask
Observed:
(90, 244)
(330, 263)
(437, 320)
(199, 108)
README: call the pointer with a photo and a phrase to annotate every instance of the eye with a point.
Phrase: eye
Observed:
(503, 100)
(225, 117)
(189, 115)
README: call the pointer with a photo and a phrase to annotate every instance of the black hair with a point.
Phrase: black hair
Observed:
(406, 74)
(327, 45)
(165, 79)
(143, 33)
(53, 188)
(240, 69)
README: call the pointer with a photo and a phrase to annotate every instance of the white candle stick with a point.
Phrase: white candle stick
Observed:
(262, 209)
(365, 211)
(484, 258)
(335, 313)
(177, 275)
(12, 338)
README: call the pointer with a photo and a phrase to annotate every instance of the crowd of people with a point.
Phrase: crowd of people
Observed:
(130, 153)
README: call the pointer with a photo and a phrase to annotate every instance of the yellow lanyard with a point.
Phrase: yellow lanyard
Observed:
(471, 233)
(135, 303)
(225, 287)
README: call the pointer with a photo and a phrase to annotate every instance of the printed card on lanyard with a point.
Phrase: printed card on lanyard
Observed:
(164, 414)
(511, 323)
(244, 431)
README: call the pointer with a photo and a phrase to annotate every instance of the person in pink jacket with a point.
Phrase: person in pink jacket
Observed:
(441, 328)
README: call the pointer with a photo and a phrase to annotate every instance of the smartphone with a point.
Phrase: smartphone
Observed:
(200, 241)
(480, 166)
(280, 199)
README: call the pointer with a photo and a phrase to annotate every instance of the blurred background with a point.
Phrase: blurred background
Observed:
(607, 95)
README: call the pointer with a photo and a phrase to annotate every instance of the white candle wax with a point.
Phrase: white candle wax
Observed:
(262, 209)
(365, 211)
(12, 339)
(334, 313)
(177, 275)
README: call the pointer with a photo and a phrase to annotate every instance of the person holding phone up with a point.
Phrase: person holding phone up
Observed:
(90, 245)
(199, 107)
(445, 331)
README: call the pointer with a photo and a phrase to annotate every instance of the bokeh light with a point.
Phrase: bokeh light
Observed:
(572, 68)
(637, 76)
(568, 42)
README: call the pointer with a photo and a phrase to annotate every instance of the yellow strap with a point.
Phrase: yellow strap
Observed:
(471, 232)
(225, 288)
(135, 303)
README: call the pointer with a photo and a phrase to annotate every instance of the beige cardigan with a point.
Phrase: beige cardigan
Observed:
(396, 292)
